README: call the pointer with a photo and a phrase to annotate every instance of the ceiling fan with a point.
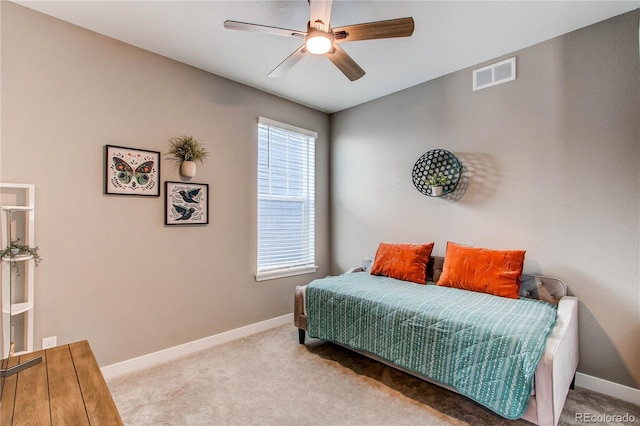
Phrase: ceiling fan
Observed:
(321, 39)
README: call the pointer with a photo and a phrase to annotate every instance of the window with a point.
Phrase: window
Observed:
(286, 200)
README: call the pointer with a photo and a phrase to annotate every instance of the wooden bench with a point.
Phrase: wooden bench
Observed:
(66, 388)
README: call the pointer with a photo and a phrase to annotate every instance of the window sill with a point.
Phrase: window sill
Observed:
(283, 273)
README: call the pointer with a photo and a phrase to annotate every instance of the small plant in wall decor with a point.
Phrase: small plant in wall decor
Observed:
(188, 150)
(15, 250)
(436, 173)
(436, 183)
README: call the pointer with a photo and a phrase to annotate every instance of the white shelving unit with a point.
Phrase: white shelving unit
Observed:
(17, 213)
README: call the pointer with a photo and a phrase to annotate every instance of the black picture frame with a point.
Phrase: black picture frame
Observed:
(186, 203)
(131, 171)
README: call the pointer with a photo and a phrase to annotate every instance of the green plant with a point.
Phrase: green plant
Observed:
(187, 148)
(439, 180)
(15, 249)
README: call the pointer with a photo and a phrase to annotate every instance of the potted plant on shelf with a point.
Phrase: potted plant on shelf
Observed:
(436, 182)
(188, 150)
(16, 250)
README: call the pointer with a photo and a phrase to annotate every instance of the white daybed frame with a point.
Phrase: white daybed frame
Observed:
(556, 371)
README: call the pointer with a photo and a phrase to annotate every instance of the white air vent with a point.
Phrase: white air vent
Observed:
(497, 73)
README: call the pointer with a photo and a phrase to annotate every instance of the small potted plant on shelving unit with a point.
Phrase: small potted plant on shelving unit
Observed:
(17, 251)
(436, 182)
(187, 150)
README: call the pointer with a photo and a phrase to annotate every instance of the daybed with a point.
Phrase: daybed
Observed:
(549, 382)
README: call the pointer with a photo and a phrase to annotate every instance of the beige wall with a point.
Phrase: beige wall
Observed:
(552, 161)
(112, 272)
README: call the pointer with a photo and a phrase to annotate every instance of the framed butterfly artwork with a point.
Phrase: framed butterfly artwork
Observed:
(131, 171)
(186, 203)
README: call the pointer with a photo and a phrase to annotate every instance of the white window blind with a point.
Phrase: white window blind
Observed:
(286, 200)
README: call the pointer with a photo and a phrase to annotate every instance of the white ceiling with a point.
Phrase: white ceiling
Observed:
(448, 36)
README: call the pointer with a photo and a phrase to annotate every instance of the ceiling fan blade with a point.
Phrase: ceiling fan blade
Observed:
(289, 62)
(345, 64)
(401, 27)
(264, 29)
(320, 14)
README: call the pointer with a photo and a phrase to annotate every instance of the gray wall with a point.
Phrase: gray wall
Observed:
(112, 272)
(552, 166)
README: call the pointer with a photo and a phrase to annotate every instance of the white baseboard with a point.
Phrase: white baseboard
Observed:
(169, 354)
(606, 387)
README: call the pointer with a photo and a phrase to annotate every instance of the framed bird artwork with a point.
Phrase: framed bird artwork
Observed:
(132, 171)
(186, 203)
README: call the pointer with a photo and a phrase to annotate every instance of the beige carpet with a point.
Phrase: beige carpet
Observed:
(269, 379)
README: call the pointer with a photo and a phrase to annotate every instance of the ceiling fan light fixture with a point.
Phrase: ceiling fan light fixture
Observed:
(318, 42)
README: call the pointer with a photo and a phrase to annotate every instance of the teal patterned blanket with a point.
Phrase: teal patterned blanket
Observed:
(484, 346)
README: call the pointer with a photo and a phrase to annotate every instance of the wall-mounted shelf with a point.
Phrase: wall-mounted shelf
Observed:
(19, 258)
(17, 216)
(439, 163)
(18, 308)
(17, 208)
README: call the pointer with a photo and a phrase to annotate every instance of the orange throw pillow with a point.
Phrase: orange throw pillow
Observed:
(407, 262)
(478, 269)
